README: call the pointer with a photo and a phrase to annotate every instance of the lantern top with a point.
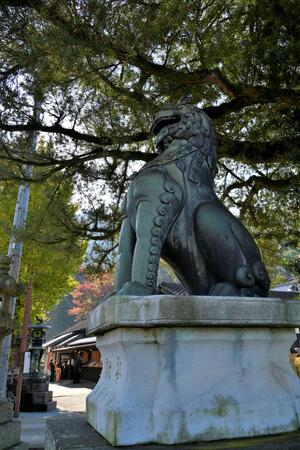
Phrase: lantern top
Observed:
(8, 285)
(40, 326)
(4, 263)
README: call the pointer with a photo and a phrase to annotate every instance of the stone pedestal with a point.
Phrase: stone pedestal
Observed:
(185, 369)
(35, 394)
(10, 430)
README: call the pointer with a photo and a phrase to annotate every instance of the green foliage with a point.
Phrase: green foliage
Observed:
(51, 255)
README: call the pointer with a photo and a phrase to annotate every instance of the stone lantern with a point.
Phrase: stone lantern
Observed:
(10, 430)
(37, 334)
(35, 389)
(8, 288)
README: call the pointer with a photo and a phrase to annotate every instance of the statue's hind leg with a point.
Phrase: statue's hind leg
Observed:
(231, 253)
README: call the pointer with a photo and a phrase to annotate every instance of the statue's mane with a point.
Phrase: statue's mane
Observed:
(188, 126)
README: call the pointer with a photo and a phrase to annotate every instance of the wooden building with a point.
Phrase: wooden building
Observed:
(64, 349)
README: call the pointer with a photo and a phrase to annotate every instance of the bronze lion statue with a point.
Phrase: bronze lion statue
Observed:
(172, 212)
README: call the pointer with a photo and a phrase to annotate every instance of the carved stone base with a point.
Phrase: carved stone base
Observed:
(10, 429)
(220, 372)
(35, 394)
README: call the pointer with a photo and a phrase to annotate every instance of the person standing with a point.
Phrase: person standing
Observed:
(58, 373)
(64, 371)
(77, 369)
(52, 371)
(297, 365)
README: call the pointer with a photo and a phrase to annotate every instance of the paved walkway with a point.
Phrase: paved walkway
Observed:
(69, 397)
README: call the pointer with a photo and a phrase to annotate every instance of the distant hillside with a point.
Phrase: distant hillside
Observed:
(59, 319)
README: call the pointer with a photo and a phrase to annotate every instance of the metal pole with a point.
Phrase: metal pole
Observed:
(15, 251)
(23, 347)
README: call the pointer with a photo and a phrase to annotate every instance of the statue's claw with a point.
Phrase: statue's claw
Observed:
(134, 288)
(225, 290)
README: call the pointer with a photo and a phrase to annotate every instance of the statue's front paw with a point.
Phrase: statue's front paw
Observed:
(134, 288)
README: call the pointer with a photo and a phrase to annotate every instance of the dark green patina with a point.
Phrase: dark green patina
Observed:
(171, 211)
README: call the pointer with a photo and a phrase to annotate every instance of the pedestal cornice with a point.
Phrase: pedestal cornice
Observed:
(189, 311)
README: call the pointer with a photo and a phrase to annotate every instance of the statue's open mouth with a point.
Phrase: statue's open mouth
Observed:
(162, 121)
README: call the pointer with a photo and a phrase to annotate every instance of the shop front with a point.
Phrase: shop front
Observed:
(65, 351)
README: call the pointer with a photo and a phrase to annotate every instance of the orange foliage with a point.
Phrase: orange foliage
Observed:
(88, 293)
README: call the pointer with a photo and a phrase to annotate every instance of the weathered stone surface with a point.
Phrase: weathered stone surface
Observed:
(220, 372)
(70, 432)
(10, 434)
(44, 407)
(35, 387)
(42, 397)
(20, 446)
(5, 412)
(167, 310)
(6, 325)
(35, 396)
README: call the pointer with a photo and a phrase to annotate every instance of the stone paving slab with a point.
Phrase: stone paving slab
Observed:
(72, 397)
(72, 432)
(69, 397)
(34, 427)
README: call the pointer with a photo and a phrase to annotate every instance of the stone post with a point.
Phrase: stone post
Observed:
(10, 430)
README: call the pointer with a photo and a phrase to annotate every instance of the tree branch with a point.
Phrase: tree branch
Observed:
(104, 45)
(246, 151)
(259, 182)
(259, 152)
(76, 161)
(76, 135)
(4, 74)
(133, 94)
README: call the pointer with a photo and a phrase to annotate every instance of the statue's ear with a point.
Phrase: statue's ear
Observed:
(185, 100)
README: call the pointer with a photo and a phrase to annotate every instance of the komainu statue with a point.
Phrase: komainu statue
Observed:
(172, 212)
